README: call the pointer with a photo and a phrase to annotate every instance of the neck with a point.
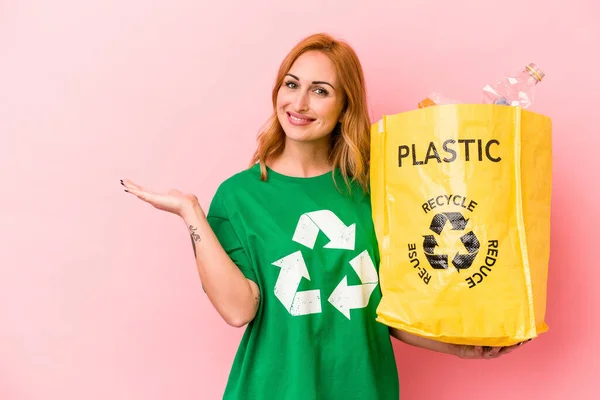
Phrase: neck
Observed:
(303, 160)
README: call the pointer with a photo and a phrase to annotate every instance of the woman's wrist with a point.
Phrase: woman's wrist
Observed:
(192, 213)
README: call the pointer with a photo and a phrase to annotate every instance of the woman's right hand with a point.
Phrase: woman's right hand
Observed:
(173, 201)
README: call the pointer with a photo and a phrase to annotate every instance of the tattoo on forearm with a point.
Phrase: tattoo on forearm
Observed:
(195, 238)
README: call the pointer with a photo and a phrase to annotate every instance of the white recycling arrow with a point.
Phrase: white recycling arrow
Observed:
(293, 269)
(346, 298)
(340, 236)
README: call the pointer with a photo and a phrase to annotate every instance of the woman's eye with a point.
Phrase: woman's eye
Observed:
(291, 85)
(321, 92)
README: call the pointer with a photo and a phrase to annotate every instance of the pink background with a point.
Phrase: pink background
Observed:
(99, 296)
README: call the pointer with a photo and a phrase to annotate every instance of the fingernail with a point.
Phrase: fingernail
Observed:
(122, 182)
(127, 190)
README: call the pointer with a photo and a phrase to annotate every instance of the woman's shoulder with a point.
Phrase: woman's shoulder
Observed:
(239, 180)
(232, 188)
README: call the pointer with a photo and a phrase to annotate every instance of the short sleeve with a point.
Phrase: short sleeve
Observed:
(219, 221)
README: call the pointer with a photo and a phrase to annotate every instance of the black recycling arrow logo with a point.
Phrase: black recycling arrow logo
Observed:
(469, 241)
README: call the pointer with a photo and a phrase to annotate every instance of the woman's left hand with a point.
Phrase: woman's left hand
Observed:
(475, 352)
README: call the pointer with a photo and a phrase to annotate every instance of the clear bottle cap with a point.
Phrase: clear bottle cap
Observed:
(534, 71)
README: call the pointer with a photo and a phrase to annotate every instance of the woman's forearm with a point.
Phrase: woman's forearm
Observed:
(425, 343)
(234, 297)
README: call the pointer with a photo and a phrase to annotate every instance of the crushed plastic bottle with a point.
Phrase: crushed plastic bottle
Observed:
(515, 89)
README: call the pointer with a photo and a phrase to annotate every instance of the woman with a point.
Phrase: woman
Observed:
(288, 245)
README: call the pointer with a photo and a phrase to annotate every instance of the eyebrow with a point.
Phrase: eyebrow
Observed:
(314, 82)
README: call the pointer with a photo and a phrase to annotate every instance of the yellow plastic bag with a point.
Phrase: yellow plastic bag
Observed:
(461, 206)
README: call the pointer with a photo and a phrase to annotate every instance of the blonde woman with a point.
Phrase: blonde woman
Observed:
(288, 245)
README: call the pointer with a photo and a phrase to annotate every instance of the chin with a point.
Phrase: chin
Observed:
(290, 134)
(302, 135)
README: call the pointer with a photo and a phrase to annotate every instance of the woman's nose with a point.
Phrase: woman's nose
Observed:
(302, 101)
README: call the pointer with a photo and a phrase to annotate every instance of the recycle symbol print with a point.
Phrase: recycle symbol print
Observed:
(293, 268)
(469, 240)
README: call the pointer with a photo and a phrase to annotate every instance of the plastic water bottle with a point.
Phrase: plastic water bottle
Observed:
(516, 89)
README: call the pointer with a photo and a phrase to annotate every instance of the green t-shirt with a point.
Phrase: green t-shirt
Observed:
(313, 253)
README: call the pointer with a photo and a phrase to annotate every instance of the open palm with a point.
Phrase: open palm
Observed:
(172, 201)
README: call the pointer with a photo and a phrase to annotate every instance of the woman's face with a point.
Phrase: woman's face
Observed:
(309, 102)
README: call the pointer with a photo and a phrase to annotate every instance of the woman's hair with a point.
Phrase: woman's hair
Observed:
(350, 139)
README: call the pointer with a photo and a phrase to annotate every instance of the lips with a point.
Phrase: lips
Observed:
(298, 119)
